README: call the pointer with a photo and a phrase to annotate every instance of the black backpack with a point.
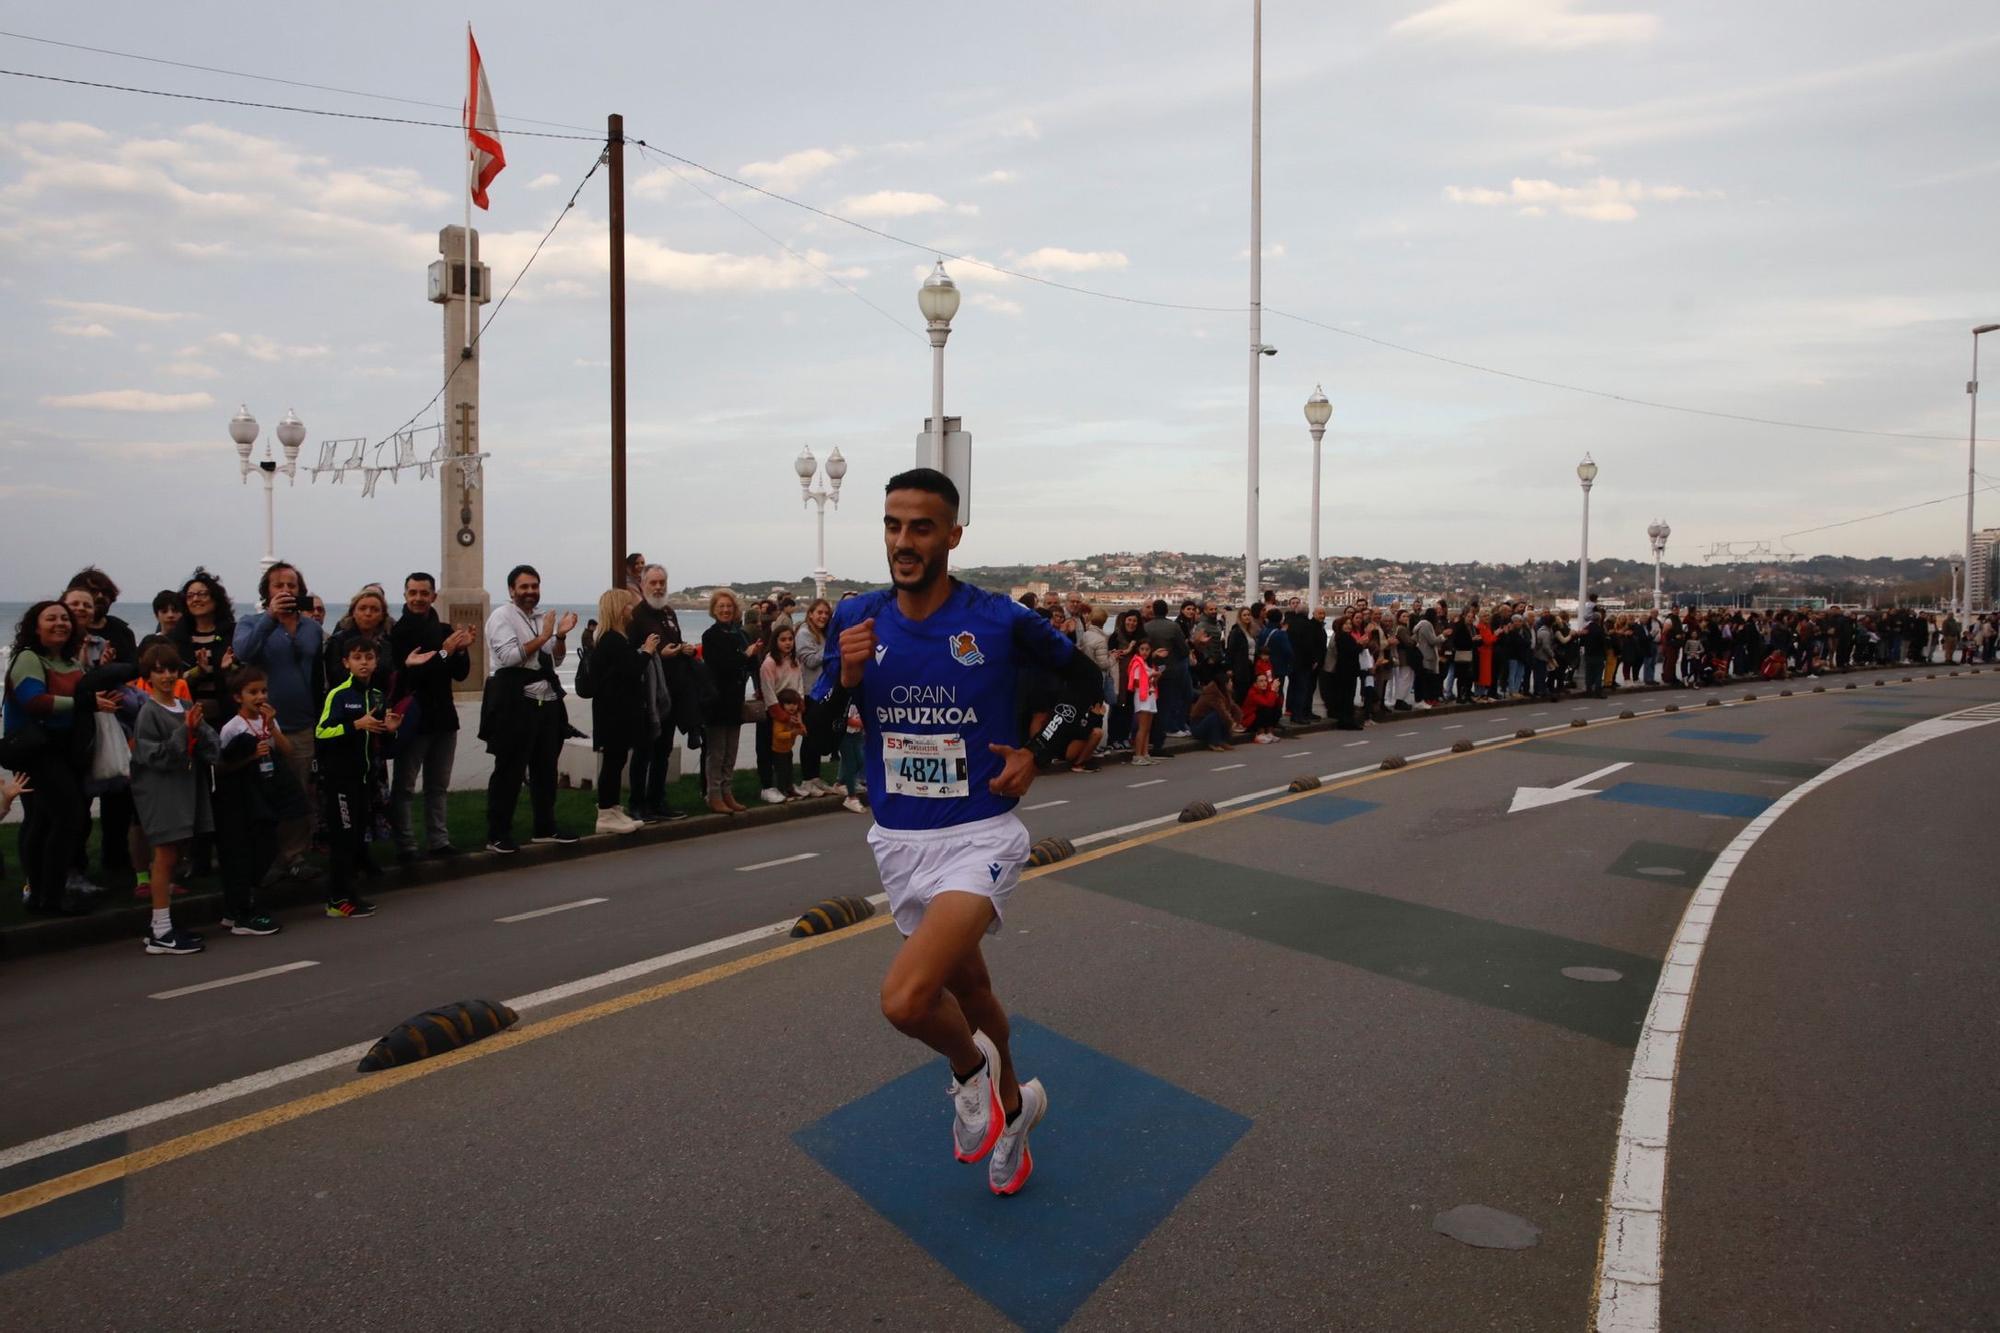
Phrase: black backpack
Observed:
(585, 685)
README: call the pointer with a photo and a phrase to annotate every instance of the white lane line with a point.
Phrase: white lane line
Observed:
(1401, 734)
(231, 981)
(1150, 782)
(1543, 713)
(264, 1080)
(1456, 726)
(1351, 744)
(1224, 768)
(1295, 754)
(1044, 805)
(1629, 1264)
(781, 861)
(548, 911)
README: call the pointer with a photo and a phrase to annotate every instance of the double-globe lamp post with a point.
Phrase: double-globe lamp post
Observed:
(1586, 473)
(937, 299)
(836, 468)
(291, 434)
(1318, 412)
(1659, 532)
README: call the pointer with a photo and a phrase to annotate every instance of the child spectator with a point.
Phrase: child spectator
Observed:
(1142, 678)
(248, 801)
(1261, 709)
(172, 806)
(351, 752)
(787, 725)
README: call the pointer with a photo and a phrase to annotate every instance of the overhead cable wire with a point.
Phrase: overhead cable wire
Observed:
(938, 251)
(494, 313)
(280, 106)
(1599, 393)
(1038, 279)
(506, 122)
(1900, 509)
(751, 223)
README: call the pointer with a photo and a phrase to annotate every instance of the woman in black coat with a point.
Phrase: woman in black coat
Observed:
(615, 723)
(729, 658)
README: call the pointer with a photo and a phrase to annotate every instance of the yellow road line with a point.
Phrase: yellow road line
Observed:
(201, 1140)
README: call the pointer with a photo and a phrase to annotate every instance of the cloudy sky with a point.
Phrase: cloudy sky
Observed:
(1783, 210)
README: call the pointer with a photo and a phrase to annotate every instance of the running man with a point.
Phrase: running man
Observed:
(932, 665)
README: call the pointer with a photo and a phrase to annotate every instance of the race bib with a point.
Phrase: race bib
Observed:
(926, 766)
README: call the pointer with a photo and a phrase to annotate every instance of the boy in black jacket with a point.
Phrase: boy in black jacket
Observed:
(251, 795)
(350, 748)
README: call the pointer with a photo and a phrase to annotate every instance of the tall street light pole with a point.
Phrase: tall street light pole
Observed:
(1251, 581)
(836, 468)
(937, 299)
(1659, 532)
(1318, 412)
(291, 434)
(1954, 561)
(1586, 473)
(1971, 459)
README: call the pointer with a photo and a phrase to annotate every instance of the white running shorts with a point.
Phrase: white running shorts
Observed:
(918, 864)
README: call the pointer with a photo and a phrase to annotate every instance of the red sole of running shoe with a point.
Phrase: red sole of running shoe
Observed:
(996, 1120)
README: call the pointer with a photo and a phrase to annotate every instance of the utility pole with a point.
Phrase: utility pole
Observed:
(460, 284)
(1251, 581)
(614, 157)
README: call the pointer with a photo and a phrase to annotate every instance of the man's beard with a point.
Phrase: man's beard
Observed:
(658, 603)
(928, 572)
(527, 604)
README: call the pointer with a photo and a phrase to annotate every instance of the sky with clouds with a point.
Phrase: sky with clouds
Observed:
(1782, 210)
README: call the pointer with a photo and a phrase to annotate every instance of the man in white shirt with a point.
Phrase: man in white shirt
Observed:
(523, 721)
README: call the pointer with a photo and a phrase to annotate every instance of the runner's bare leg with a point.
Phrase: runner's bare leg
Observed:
(920, 1001)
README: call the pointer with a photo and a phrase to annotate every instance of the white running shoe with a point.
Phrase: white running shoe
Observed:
(978, 1119)
(853, 806)
(1011, 1164)
(771, 796)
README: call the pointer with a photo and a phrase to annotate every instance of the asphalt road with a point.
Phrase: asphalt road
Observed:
(1279, 1046)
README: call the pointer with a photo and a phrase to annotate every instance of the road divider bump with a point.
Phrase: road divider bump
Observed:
(1048, 851)
(1819, 689)
(830, 914)
(1196, 811)
(1952, 673)
(1627, 715)
(436, 1031)
(1524, 733)
(1307, 782)
(1457, 747)
(1715, 703)
(1880, 683)
(1579, 722)
(1673, 708)
(1784, 694)
(1749, 698)
(1394, 761)
(1908, 679)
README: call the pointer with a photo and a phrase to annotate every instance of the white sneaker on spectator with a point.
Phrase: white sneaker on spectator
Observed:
(836, 789)
(617, 821)
(771, 796)
(853, 805)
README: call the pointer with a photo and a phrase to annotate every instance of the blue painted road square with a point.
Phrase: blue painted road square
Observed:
(1694, 800)
(1117, 1152)
(1725, 737)
(1323, 809)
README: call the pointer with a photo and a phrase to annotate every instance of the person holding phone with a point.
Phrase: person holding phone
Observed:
(286, 644)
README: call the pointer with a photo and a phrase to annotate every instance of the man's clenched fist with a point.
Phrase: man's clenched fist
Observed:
(857, 649)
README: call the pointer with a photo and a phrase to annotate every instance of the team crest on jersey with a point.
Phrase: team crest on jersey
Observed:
(965, 649)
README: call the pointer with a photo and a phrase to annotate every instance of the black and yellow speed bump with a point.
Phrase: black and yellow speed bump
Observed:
(436, 1031)
(1196, 811)
(830, 914)
(1303, 782)
(1047, 851)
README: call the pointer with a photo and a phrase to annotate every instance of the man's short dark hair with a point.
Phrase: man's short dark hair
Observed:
(166, 599)
(420, 577)
(358, 644)
(519, 570)
(927, 479)
(1159, 608)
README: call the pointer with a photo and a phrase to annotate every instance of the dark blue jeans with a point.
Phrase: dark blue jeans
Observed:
(1212, 729)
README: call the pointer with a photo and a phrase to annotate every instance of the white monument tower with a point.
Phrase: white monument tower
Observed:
(462, 597)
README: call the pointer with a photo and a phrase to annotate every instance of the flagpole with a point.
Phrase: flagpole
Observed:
(465, 149)
(614, 156)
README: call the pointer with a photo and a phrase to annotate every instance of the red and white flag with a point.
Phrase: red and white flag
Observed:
(482, 128)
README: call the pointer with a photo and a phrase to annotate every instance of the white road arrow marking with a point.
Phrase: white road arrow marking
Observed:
(1528, 798)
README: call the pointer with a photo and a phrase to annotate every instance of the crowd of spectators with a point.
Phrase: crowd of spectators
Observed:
(240, 746)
